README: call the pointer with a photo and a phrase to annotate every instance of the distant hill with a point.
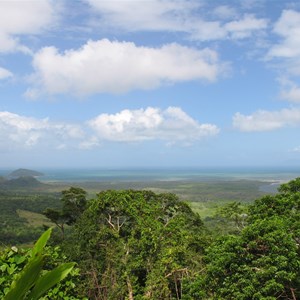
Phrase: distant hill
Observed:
(24, 173)
(20, 183)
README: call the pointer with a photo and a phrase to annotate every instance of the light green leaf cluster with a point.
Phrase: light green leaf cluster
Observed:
(32, 283)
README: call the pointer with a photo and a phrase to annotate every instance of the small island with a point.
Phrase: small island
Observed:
(24, 173)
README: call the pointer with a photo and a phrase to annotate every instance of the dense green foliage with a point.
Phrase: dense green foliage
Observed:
(138, 245)
(73, 204)
(32, 274)
(263, 262)
(13, 229)
(27, 194)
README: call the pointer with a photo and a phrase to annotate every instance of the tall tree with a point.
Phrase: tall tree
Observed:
(73, 204)
(263, 262)
(138, 245)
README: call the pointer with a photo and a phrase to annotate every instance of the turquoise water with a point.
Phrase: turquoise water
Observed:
(196, 174)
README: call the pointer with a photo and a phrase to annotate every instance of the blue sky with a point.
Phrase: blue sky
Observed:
(149, 83)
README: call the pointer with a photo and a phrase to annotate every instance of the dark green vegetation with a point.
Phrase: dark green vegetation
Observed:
(137, 244)
(140, 244)
(21, 183)
(24, 173)
(22, 198)
(74, 203)
(15, 229)
(263, 261)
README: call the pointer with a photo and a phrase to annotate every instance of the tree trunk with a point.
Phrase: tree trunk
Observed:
(130, 290)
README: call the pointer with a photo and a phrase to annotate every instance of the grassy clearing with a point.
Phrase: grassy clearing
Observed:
(204, 197)
(207, 191)
(204, 209)
(33, 219)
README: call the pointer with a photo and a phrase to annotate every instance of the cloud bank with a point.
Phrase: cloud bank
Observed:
(152, 15)
(288, 29)
(290, 91)
(27, 132)
(23, 18)
(106, 66)
(177, 16)
(267, 120)
(4, 73)
(33, 17)
(171, 125)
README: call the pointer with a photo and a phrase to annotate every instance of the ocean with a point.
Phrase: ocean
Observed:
(171, 174)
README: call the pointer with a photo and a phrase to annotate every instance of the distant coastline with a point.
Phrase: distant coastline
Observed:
(273, 176)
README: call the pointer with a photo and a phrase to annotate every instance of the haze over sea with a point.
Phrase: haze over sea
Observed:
(276, 174)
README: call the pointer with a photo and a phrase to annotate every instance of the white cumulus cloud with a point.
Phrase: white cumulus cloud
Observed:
(225, 12)
(293, 94)
(117, 67)
(239, 28)
(4, 73)
(18, 132)
(244, 27)
(287, 50)
(154, 15)
(290, 91)
(16, 129)
(176, 16)
(286, 54)
(263, 120)
(19, 17)
(171, 125)
(288, 28)
(21, 131)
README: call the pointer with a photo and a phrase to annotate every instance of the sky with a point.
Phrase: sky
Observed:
(149, 83)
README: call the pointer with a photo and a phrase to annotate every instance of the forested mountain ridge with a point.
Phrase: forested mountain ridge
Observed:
(27, 182)
(24, 173)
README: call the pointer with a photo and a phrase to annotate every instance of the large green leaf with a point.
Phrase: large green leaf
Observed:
(25, 280)
(48, 280)
(41, 242)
